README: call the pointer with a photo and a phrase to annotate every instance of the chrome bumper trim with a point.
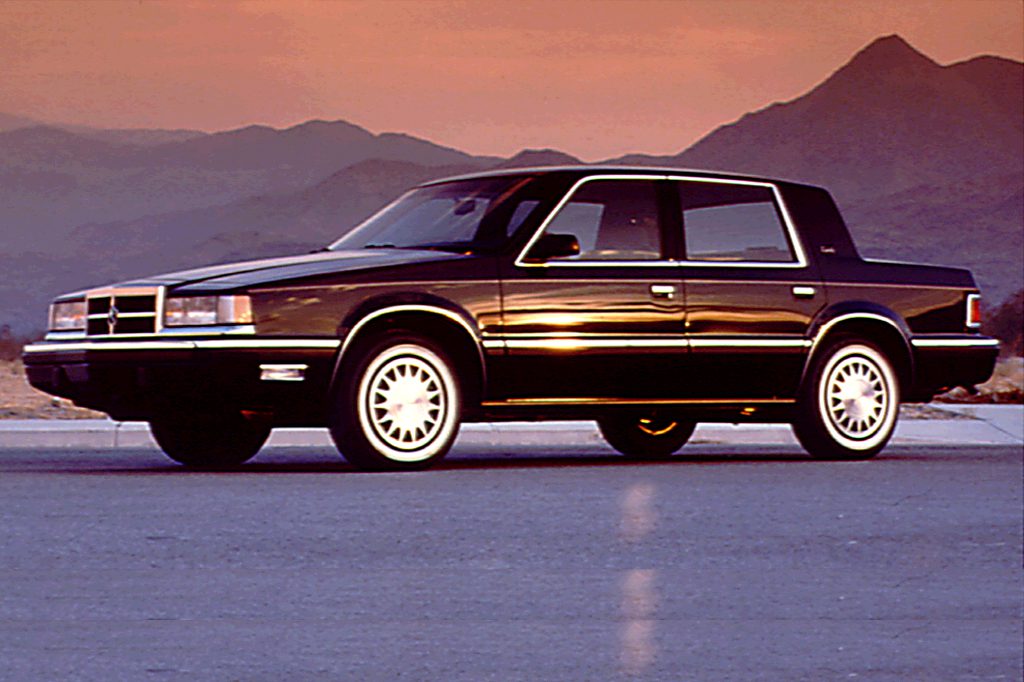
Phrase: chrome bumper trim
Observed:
(212, 330)
(181, 344)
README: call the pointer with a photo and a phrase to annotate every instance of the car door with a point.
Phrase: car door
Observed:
(605, 323)
(751, 290)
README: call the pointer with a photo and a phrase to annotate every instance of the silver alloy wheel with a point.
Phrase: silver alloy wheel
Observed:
(858, 397)
(406, 397)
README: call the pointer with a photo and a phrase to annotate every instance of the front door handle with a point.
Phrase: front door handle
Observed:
(804, 292)
(665, 292)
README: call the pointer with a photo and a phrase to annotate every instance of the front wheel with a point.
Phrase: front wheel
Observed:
(399, 406)
(646, 436)
(209, 440)
(849, 402)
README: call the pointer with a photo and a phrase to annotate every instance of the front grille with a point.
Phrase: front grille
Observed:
(121, 312)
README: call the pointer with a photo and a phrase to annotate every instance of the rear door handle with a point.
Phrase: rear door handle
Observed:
(665, 292)
(804, 292)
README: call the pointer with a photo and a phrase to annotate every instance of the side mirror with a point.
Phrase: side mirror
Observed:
(553, 246)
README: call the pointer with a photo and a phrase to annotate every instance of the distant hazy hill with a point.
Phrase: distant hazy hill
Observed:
(254, 227)
(52, 180)
(890, 119)
(538, 157)
(258, 226)
(137, 136)
(927, 162)
(12, 122)
(272, 224)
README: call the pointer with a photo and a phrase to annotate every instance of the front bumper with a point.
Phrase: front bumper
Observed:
(141, 378)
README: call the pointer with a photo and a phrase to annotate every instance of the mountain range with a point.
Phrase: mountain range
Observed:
(926, 160)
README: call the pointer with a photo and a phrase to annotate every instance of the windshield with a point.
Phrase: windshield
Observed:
(448, 217)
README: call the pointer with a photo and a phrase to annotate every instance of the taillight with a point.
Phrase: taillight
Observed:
(974, 310)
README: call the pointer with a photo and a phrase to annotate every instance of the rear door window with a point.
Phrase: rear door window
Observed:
(732, 223)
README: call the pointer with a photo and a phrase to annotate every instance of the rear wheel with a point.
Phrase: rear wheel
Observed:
(849, 402)
(399, 406)
(652, 436)
(209, 441)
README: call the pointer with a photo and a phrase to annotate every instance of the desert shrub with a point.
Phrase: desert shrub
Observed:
(11, 343)
(1006, 323)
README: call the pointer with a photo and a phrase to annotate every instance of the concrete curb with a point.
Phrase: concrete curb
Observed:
(990, 425)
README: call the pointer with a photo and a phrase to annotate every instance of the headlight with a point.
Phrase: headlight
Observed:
(190, 311)
(67, 316)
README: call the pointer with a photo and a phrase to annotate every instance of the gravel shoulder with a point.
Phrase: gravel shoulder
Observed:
(18, 400)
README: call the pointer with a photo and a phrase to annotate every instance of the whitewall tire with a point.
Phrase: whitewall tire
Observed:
(849, 403)
(400, 405)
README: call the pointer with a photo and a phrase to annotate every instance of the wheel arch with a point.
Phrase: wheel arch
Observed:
(440, 321)
(871, 322)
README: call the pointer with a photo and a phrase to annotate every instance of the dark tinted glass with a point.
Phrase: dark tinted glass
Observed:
(521, 213)
(726, 222)
(612, 220)
(448, 216)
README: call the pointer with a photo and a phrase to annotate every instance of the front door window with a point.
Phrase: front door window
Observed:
(613, 220)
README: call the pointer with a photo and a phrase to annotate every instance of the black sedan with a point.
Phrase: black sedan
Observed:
(646, 299)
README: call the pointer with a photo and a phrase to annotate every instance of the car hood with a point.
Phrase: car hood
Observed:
(251, 273)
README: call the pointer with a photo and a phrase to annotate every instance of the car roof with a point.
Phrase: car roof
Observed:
(583, 170)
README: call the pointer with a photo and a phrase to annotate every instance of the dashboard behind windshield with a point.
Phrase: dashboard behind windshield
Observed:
(450, 216)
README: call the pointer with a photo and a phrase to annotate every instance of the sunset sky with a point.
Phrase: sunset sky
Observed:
(594, 79)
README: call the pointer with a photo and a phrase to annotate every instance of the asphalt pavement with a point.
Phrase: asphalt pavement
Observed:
(955, 425)
(519, 558)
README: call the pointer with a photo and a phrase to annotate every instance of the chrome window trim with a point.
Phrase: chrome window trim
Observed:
(787, 220)
(519, 262)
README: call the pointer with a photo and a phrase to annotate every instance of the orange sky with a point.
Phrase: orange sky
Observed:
(594, 78)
